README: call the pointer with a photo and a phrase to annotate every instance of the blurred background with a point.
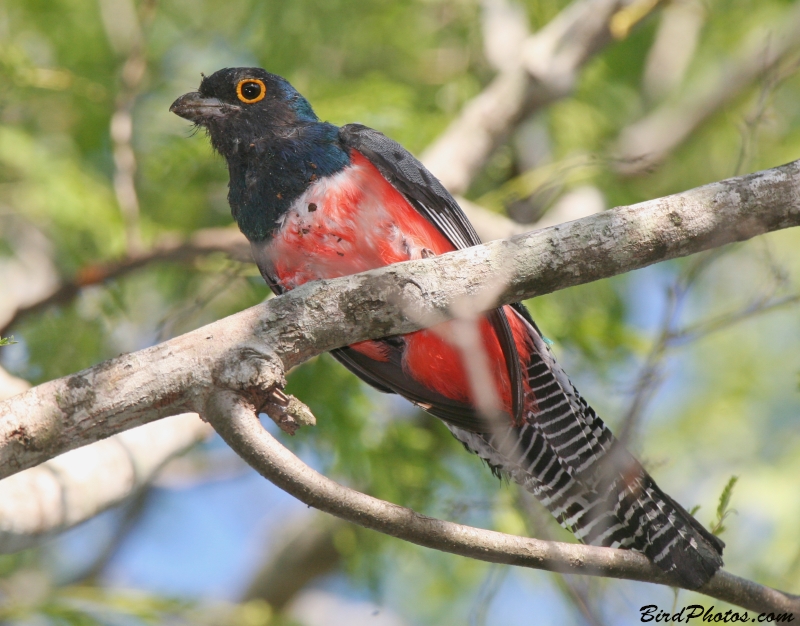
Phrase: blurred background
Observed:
(115, 235)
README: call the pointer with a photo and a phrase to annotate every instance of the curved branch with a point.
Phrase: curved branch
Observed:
(249, 352)
(235, 420)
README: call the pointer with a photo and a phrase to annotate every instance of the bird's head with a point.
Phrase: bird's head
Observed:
(274, 143)
(243, 105)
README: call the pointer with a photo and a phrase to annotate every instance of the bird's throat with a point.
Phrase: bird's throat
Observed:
(269, 174)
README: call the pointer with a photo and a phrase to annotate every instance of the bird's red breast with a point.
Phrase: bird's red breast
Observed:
(355, 221)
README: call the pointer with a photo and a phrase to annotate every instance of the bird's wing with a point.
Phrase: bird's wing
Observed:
(431, 200)
(410, 177)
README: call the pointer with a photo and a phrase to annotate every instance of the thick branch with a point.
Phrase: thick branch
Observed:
(249, 352)
(238, 425)
(229, 241)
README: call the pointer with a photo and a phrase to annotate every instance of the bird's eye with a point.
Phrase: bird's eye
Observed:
(251, 90)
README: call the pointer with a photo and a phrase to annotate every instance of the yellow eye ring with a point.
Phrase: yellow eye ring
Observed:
(251, 90)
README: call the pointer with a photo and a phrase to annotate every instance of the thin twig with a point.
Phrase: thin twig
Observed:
(726, 320)
(490, 587)
(132, 514)
(651, 374)
(773, 78)
(202, 243)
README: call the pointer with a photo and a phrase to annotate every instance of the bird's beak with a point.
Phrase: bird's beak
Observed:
(198, 109)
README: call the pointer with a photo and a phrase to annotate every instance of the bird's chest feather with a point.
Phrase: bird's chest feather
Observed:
(347, 223)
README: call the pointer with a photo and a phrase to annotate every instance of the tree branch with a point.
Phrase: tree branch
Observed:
(69, 489)
(234, 419)
(646, 142)
(249, 352)
(204, 242)
(538, 521)
(309, 553)
(229, 241)
(548, 70)
(125, 30)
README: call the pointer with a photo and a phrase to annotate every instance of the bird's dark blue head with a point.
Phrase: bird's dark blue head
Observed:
(273, 141)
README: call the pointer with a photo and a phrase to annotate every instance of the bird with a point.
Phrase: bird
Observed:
(319, 201)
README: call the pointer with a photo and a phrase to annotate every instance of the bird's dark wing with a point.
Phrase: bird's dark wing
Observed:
(427, 195)
(414, 181)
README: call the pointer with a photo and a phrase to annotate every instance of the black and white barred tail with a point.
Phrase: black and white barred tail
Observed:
(566, 456)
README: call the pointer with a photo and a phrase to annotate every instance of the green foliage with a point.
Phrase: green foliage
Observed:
(91, 606)
(7, 341)
(591, 319)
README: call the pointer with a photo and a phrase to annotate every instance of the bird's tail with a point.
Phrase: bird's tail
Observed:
(566, 456)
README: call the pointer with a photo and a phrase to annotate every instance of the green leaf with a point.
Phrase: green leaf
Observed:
(723, 508)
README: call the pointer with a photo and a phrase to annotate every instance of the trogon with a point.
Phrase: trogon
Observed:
(320, 201)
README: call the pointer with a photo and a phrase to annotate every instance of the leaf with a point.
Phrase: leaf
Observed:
(723, 510)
